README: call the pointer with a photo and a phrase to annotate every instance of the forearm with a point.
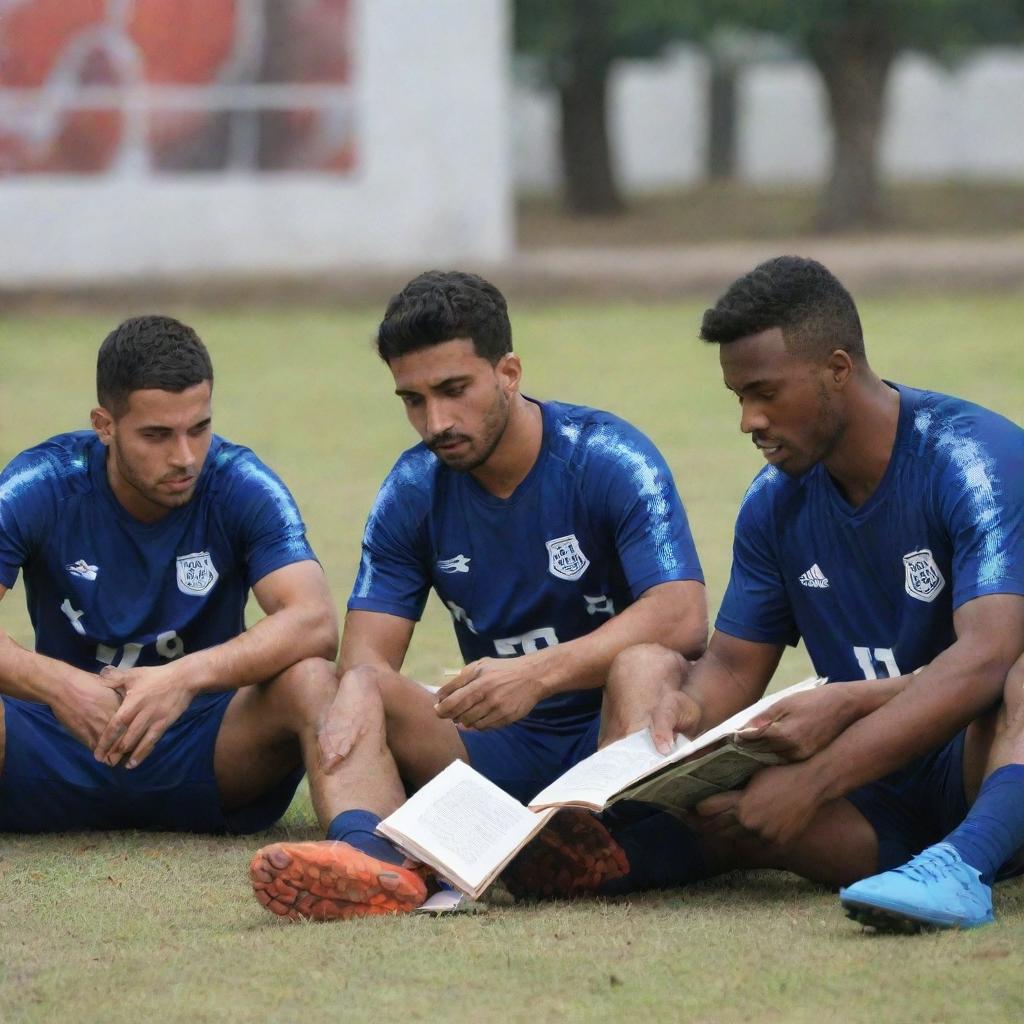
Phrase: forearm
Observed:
(905, 717)
(719, 690)
(275, 643)
(27, 675)
(658, 618)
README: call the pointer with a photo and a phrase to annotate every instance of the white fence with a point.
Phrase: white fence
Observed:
(430, 183)
(963, 122)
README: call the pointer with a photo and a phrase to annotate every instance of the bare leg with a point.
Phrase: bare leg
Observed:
(1007, 745)
(271, 728)
(837, 848)
(329, 880)
(639, 678)
(423, 745)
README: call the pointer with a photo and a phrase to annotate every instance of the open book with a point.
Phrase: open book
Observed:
(468, 829)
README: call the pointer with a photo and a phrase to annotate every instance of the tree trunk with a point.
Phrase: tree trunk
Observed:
(590, 186)
(721, 119)
(854, 58)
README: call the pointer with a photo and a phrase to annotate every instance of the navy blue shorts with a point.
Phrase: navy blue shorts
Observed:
(50, 782)
(526, 756)
(917, 805)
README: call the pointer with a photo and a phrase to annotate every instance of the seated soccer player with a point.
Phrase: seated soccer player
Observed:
(554, 535)
(886, 531)
(146, 703)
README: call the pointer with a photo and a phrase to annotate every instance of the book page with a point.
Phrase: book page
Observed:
(593, 781)
(680, 785)
(463, 825)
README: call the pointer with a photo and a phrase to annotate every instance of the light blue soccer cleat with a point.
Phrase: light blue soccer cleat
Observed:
(934, 890)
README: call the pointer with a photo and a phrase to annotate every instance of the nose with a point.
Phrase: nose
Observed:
(438, 417)
(181, 453)
(752, 418)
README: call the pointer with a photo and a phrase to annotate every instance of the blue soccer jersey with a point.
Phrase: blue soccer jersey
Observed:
(595, 523)
(103, 588)
(872, 590)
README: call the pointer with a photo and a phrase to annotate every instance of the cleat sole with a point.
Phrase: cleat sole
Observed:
(572, 857)
(329, 881)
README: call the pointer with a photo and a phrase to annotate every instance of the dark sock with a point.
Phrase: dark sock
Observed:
(994, 827)
(357, 829)
(662, 851)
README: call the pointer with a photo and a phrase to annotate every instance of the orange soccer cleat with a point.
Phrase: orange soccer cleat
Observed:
(331, 881)
(573, 855)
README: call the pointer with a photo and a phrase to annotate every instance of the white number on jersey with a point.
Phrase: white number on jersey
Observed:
(883, 656)
(525, 644)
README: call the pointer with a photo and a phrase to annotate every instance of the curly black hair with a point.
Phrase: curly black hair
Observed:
(443, 305)
(801, 297)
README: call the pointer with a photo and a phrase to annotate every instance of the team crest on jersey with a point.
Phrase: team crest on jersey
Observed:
(196, 573)
(565, 558)
(83, 569)
(923, 579)
(460, 563)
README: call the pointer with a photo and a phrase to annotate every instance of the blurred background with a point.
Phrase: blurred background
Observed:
(651, 147)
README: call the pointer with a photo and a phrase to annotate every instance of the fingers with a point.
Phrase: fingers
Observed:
(458, 704)
(112, 678)
(334, 748)
(113, 732)
(675, 713)
(145, 746)
(467, 675)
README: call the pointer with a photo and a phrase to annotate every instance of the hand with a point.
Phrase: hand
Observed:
(676, 713)
(490, 692)
(350, 718)
(154, 698)
(799, 726)
(775, 808)
(85, 707)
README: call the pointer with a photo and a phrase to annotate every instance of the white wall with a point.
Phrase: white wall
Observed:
(432, 185)
(966, 121)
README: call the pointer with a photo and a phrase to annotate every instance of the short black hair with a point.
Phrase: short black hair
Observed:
(440, 306)
(149, 352)
(801, 297)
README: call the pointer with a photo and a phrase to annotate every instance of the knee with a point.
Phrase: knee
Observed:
(312, 683)
(649, 664)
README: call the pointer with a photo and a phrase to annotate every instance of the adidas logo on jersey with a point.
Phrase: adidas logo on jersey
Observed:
(815, 578)
(460, 563)
(83, 569)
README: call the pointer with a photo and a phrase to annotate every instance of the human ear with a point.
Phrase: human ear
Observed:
(840, 367)
(510, 372)
(103, 424)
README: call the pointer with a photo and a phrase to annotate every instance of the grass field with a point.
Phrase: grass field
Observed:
(132, 927)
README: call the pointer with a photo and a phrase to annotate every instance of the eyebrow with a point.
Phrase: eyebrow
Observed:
(750, 386)
(164, 429)
(447, 382)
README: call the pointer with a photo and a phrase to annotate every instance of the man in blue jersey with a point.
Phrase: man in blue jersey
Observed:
(886, 531)
(146, 702)
(554, 536)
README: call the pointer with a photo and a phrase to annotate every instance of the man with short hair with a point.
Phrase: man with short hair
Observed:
(146, 702)
(886, 531)
(554, 535)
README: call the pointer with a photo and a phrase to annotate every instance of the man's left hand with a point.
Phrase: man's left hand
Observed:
(153, 699)
(490, 693)
(776, 806)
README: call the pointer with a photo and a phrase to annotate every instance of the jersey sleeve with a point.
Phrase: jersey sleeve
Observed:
(28, 502)
(643, 509)
(756, 606)
(982, 500)
(393, 573)
(270, 533)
